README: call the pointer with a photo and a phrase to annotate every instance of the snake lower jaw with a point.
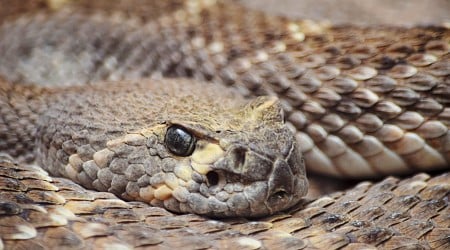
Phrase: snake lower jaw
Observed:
(242, 204)
(225, 191)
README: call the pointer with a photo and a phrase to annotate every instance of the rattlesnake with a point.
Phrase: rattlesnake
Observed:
(358, 103)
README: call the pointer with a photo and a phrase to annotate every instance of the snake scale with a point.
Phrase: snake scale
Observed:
(155, 102)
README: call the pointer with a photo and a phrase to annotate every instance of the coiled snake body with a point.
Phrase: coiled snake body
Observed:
(357, 103)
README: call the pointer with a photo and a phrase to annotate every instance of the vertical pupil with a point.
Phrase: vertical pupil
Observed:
(179, 141)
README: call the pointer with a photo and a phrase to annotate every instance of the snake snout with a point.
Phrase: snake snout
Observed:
(287, 182)
(281, 186)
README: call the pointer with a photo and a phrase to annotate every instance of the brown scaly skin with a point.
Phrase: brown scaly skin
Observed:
(39, 211)
(365, 102)
(354, 106)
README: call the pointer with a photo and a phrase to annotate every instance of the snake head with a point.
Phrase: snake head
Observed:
(219, 155)
(248, 167)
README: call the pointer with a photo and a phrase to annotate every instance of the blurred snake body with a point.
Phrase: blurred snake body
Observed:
(161, 106)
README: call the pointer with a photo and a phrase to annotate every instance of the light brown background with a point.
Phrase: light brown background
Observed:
(362, 12)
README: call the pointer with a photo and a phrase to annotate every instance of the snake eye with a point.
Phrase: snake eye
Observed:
(179, 141)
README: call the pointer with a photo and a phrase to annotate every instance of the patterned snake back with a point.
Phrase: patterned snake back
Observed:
(361, 102)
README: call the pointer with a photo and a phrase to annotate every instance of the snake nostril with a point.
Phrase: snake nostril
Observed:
(240, 155)
(281, 194)
(212, 178)
(279, 198)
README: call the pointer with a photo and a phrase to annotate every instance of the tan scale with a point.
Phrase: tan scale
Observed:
(163, 192)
